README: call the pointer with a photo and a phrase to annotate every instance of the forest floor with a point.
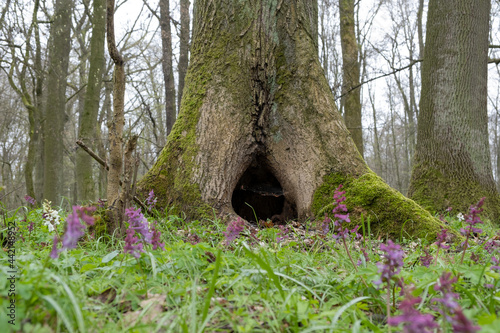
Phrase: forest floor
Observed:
(216, 278)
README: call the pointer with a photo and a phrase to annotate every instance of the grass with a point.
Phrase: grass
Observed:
(199, 283)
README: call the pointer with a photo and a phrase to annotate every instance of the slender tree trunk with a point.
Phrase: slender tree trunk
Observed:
(60, 46)
(168, 72)
(412, 110)
(420, 14)
(30, 103)
(452, 162)
(184, 48)
(376, 144)
(259, 126)
(88, 118)
(115, 205)
(394, 144)
(38, 129)
(497, 147)
(350, 73)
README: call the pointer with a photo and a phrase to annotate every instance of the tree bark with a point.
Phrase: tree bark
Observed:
(88, 118)
(168, 72)
(452, 162)
(115, 205)
(350, 73)
(259, 126)
(183, 48)
(56, 99)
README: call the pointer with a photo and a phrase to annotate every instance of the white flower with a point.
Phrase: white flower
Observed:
(50, 216)
(460, 216)
(49, 225)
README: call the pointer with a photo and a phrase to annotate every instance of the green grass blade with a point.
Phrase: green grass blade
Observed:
(343, 308)
(60, 311)
(212, 286)
(74, 302)
(299, 283)
(153, 264)
(265, 266)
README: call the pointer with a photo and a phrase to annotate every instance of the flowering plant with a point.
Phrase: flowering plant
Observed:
(74, 229)
(234, 228)
(51, 217)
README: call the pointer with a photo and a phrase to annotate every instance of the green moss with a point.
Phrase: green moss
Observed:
(171, 176)
(391, 214)
(436, 191)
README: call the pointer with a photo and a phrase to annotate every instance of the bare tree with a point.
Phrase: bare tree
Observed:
(88, 116)
(60, 46)
(351, 102)
(168, 72)
(183, 48)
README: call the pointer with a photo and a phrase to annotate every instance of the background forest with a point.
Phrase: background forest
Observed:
(154, 40)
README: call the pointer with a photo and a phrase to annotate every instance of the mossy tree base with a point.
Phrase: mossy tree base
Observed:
(391, 214)
(259, 126)
(436, 191)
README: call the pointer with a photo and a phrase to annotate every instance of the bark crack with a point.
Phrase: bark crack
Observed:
(263, 69)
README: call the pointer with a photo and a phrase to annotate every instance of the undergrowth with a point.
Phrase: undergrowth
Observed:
(205, 276)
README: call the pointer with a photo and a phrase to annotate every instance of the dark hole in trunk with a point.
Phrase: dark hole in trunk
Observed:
(260, 189)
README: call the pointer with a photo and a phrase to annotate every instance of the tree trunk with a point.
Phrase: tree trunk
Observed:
(56, 99)
(168, 72)
(452, 162)
(184, 48)
(350, 73)
(88, 118)
(115, 205)
(376, 144)
(259, 126)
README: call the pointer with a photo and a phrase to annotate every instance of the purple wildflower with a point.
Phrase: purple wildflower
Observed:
(30, 200)
(132, 244)
(451, 309)
(139, 223)
(393, 262)
(54, 254)
(155, 241)
(325, 226)
(445, 286)
(74, 228)
(342, 216)
(426, 259)
(31, 226)
(489, 285)
(339, 198)
(461, 324)
(414, 321)
(234, 229)
(472, 219)
(101, 203)
(441, 239)
(151, 200)
(283, 233)
(495, 267)
(365, 254)
(492, 245)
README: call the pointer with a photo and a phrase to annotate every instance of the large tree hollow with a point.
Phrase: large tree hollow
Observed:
(259, 194)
